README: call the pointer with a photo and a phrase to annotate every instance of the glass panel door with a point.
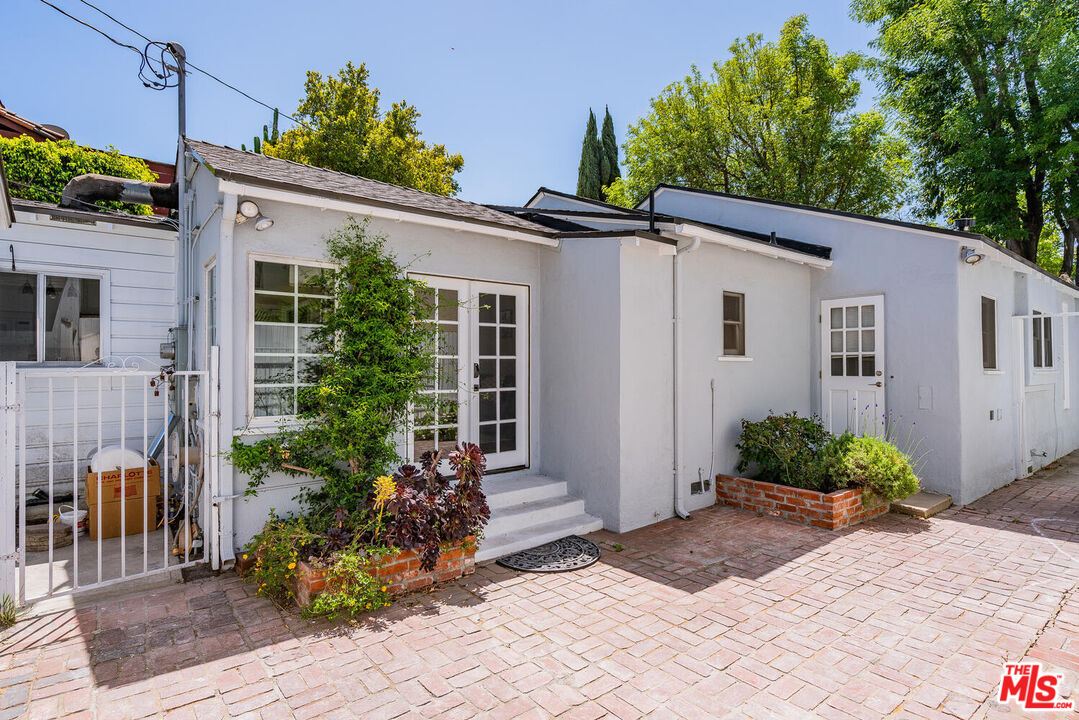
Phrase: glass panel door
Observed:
(477, 390)
(852, 368)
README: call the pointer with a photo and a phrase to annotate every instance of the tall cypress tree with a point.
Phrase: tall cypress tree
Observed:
(609, 171)
(588, 172)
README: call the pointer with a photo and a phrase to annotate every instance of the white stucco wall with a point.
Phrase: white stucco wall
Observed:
(579, 397)
(136, 267)
(296, 236)
(916, 273)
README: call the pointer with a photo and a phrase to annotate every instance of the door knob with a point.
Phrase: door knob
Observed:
(878, 383)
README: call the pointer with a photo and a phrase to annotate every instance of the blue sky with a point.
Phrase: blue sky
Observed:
(506, 84)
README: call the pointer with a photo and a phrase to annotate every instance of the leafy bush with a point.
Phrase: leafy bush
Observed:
(877, 466)
(799, 452)
(428, 511)
(375, 356)
(276, 550)
(784, 449)
(350, 589)
(40, 170)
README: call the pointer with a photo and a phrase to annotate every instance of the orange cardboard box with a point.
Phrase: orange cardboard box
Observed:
(111, 519)
(132, 484)
(129, 512)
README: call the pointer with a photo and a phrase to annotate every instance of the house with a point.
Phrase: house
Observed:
(603, 357)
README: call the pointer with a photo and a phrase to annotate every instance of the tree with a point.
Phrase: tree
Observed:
(775, 121)
(989, 95)
(375, 357)
(609, 171)
(40, 170)
(588, 172)
(344, 129)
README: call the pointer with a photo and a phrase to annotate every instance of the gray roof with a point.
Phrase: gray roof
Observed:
(256, 169)
(94, 215)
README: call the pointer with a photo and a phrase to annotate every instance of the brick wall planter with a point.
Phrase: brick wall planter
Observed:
(400, 573)
(824, 510)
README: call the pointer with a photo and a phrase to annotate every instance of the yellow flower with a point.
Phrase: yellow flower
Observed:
(245, 556)
(385, 487)
(291, 565)
(383, 588)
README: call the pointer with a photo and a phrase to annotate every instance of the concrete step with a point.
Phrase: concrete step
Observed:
(534, 512)
(495, 546)
(923, 504)
(503, 492)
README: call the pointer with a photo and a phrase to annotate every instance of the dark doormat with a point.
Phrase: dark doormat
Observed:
(569, 553)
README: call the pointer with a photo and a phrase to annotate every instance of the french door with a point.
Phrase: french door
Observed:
(852, 365)
(478, 389)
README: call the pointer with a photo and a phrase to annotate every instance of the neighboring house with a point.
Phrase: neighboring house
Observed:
(79, 288)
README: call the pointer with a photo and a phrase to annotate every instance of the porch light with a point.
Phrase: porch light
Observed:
(263, 223)
(246, 211)
(971, 256)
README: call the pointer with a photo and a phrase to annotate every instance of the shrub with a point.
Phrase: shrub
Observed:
(784, 449)
(875, 465)
(375, 357)
(427, 511)
(350, 589)
(40, 170)
(276, 550)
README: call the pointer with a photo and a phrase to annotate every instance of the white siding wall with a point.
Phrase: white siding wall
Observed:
(137, 268)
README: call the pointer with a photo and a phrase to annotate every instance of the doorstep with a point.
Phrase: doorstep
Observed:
(923, 504)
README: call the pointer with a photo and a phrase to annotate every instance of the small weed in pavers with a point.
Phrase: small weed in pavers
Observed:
(617, 547)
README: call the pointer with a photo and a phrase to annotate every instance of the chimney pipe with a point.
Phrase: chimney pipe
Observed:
(84, 190)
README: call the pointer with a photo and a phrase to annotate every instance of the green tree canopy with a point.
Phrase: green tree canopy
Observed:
(775, 121)
(989, 95)
(589, 170)
(40, 170)
(609, 171)
(345, 129)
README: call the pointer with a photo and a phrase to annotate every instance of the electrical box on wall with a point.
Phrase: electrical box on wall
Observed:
(176, 348)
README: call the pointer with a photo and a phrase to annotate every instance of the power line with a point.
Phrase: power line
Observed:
(191, 65)
(99, 31)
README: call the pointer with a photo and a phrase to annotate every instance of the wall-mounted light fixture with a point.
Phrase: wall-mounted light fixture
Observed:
(970, 256)
(248, 210)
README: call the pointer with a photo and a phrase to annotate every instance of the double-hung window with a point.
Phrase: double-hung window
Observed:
(989, 333)
(1043, 340)
(288, 302)
(734, 324)
(50, 318)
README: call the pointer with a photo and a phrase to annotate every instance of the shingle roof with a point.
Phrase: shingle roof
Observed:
(237, 165)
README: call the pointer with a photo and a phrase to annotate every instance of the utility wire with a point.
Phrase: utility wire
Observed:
(191, 65)
(99, 31)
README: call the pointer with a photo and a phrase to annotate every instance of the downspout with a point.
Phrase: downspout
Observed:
(679, 503)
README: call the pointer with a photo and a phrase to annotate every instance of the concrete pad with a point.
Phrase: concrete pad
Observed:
(923, 504)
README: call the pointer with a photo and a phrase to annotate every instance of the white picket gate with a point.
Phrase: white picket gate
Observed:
(53, 420)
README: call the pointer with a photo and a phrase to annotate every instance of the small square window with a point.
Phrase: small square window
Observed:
(734, 323)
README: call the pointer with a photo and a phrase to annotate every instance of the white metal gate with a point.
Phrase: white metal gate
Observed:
(141, 518)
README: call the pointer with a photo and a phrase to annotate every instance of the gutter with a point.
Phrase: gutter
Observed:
(679, 502)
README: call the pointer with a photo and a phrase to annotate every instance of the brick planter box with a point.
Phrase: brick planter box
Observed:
(824, 510)
(401, 573)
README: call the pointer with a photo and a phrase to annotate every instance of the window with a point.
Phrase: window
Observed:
(49, 318)
(989, 333)
(288, 304)
(211, 306)
(734, 323)
(1043, 341)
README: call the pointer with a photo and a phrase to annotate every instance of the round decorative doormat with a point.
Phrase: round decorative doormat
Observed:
(569, 553)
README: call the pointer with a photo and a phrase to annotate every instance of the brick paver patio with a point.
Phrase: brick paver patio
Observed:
(726, 615)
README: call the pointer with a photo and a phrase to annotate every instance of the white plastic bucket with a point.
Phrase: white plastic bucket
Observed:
(67, 517)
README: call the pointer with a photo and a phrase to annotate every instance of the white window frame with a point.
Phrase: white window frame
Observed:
(724, 322)
(995, 367)
(1037, 346)
(104, 307)
(265, 420)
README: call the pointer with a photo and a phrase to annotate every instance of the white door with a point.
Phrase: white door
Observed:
(852, 365)
(480, 382)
